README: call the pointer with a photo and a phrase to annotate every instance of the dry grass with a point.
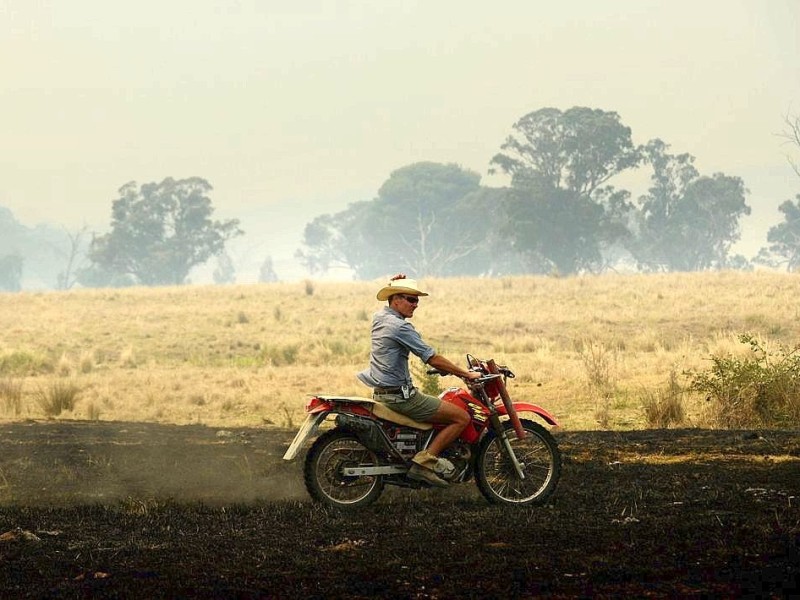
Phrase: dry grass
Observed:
(58, 397)
(11, 395)
(589, 349)
(665, 407)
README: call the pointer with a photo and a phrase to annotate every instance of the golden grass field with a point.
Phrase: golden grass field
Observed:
(589, 349)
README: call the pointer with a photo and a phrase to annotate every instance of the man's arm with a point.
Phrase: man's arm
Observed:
(437, 361)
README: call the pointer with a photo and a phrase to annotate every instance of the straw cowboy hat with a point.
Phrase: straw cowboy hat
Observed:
(400, 286)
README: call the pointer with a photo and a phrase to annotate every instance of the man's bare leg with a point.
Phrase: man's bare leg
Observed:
(456, 419)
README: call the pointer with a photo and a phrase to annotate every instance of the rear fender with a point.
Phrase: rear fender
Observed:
(521, 407)
(307, 430)
(318, 405)
(317, 410)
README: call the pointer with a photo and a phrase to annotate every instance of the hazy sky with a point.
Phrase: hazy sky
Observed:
(303, 106)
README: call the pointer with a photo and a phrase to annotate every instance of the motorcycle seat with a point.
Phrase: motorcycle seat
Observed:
(381, 411)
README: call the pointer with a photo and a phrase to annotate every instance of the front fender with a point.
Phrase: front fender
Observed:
(521, 407)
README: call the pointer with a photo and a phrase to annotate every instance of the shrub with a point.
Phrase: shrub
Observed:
(664, 407)
(428, 384)
(64, 366)
(60, 396)
(280, 355)
(86, 362)
(24, 363)
(761, 390)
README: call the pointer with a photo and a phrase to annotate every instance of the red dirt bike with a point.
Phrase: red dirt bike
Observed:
(514, 461)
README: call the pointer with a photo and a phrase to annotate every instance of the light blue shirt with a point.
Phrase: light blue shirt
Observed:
(392, 339)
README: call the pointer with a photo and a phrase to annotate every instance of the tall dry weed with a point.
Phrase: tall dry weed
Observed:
(664, 407)
(599, 364)
(11, 393)
(64, 366)
(93, 412)
(58, 397)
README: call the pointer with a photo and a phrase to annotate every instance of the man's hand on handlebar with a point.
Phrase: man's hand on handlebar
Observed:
(470, 375)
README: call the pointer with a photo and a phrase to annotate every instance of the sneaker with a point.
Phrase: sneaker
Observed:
(421, 473)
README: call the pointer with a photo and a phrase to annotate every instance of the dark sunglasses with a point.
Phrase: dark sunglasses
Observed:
(410, 299)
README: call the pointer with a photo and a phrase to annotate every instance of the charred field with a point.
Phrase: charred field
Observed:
(132, 510)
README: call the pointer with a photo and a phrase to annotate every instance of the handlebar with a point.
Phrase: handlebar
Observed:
(479, 366)
(484, 378)
(479, 381)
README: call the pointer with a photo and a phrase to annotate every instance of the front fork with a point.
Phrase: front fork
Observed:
(505, 443)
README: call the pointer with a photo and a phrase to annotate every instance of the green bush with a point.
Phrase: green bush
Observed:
(22, 363)
(429, 384)
(762, 390)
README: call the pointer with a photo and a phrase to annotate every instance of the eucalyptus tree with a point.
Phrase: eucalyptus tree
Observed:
(562, 212)
(427, 219)
(159, 231)
(784, 239)
(686, 221)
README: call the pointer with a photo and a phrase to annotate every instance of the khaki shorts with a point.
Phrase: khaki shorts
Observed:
(419, 406)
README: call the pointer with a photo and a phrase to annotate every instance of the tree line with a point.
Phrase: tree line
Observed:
(560, 213)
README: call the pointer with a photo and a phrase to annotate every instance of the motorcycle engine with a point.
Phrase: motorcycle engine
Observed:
(409, 441)
(458, 454)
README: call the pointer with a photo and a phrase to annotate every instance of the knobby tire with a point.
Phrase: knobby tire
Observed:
(322, 472)
(496, 477)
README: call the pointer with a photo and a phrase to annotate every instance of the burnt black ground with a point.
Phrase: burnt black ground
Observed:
(122, 510)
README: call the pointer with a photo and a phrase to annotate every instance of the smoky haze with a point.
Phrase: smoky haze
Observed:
(294, 110)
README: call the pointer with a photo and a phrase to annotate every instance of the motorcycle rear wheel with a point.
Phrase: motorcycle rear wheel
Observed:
(328, 456)
(538, 452)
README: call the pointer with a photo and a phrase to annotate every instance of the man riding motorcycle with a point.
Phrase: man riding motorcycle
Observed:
(393, 338)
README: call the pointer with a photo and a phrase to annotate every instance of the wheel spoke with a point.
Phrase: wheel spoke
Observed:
(538, 462)
(333, 459)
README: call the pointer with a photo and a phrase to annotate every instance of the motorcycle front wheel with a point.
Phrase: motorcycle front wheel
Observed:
(324, 477)
(539, 456)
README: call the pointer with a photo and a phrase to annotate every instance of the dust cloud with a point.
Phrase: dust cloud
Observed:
(63, 463)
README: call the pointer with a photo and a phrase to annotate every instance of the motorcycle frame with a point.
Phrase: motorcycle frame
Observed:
(485, 409)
